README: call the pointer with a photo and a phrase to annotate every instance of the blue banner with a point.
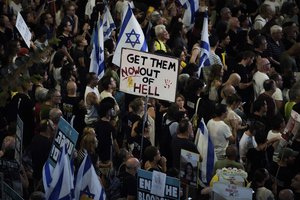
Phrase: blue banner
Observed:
(172, 187)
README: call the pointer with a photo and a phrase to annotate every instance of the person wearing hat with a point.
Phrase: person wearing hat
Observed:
(284, 168)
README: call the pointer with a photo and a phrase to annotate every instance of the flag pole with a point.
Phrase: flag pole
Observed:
(144, 123)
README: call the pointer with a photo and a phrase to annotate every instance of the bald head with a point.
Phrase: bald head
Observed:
(71, 88)
(286, 194)
(234, 79)
(132, 165)
(227, 90)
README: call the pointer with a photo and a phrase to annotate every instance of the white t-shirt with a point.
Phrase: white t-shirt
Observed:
(259, 22)
(219, 132)
(246, 142)
(263, 193)
(258, 85)
(88, 89)
(277, 146)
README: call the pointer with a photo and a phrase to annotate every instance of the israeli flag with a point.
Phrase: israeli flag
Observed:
(204, 45)
(191, 7)
(97, 63)
(206, 150)
(59, 182)
(108, 24)
(131, 36)
(88, 185)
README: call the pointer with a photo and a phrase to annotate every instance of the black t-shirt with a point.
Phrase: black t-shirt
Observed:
(70, 107)
(40, 149)
(129, 185)
(65, 41)
(106, 133)
(177, 145)
(259, 159)
(284, 177)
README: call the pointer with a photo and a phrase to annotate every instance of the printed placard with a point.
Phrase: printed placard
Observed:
(189, 167)
(171, 191)
(66, 134)
(146, 74)
(23, 29)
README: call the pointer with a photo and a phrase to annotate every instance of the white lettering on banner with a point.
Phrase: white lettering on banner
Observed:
(146, 196)
(145, 185)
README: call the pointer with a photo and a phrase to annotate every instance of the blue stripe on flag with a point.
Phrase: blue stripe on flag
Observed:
(126, 20)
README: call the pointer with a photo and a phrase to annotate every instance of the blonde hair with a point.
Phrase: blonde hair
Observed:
(89, 142)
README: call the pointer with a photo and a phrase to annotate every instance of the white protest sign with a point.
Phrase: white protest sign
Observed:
(158, 183)
(145, 74)
(23, 29)
(231, 192)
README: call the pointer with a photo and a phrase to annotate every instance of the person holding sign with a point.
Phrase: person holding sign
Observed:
(181, 141)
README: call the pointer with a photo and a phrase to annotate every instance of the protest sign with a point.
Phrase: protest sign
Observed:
(171, 191)
(222, 191)
(23, 29)
(188, 167)
(67, 135)
(19, 139)
(146, 74)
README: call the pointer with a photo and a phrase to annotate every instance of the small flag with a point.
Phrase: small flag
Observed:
(97, 56)
(88, 185)
(191, 7)
(108, 24)
(131, 36)
(206, 150)
(204, 45)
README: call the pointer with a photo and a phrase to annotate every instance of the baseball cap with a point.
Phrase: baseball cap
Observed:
(287, 152)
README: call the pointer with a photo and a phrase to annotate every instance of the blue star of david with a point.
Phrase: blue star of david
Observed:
(132, 42)
(86, 192)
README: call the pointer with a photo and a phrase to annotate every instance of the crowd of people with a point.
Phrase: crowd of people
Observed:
(246, 92)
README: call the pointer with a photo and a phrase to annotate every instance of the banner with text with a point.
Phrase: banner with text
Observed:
(66, 134)
(145, 74)
(171, 185)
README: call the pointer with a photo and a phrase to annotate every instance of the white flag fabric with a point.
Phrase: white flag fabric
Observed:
(204, 45)
(97, 63)
(191, 7)
(88, 185)
(206, 150)
(59, 182)
(131, 36)
(108, 24)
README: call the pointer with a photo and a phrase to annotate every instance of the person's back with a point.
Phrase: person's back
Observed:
(181, 141)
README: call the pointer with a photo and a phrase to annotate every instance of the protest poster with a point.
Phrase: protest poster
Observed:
(23, 29)
(146, 74)
(222, 191)
(19, 139)
(67, 135)
(171, 191)
(189, 167)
